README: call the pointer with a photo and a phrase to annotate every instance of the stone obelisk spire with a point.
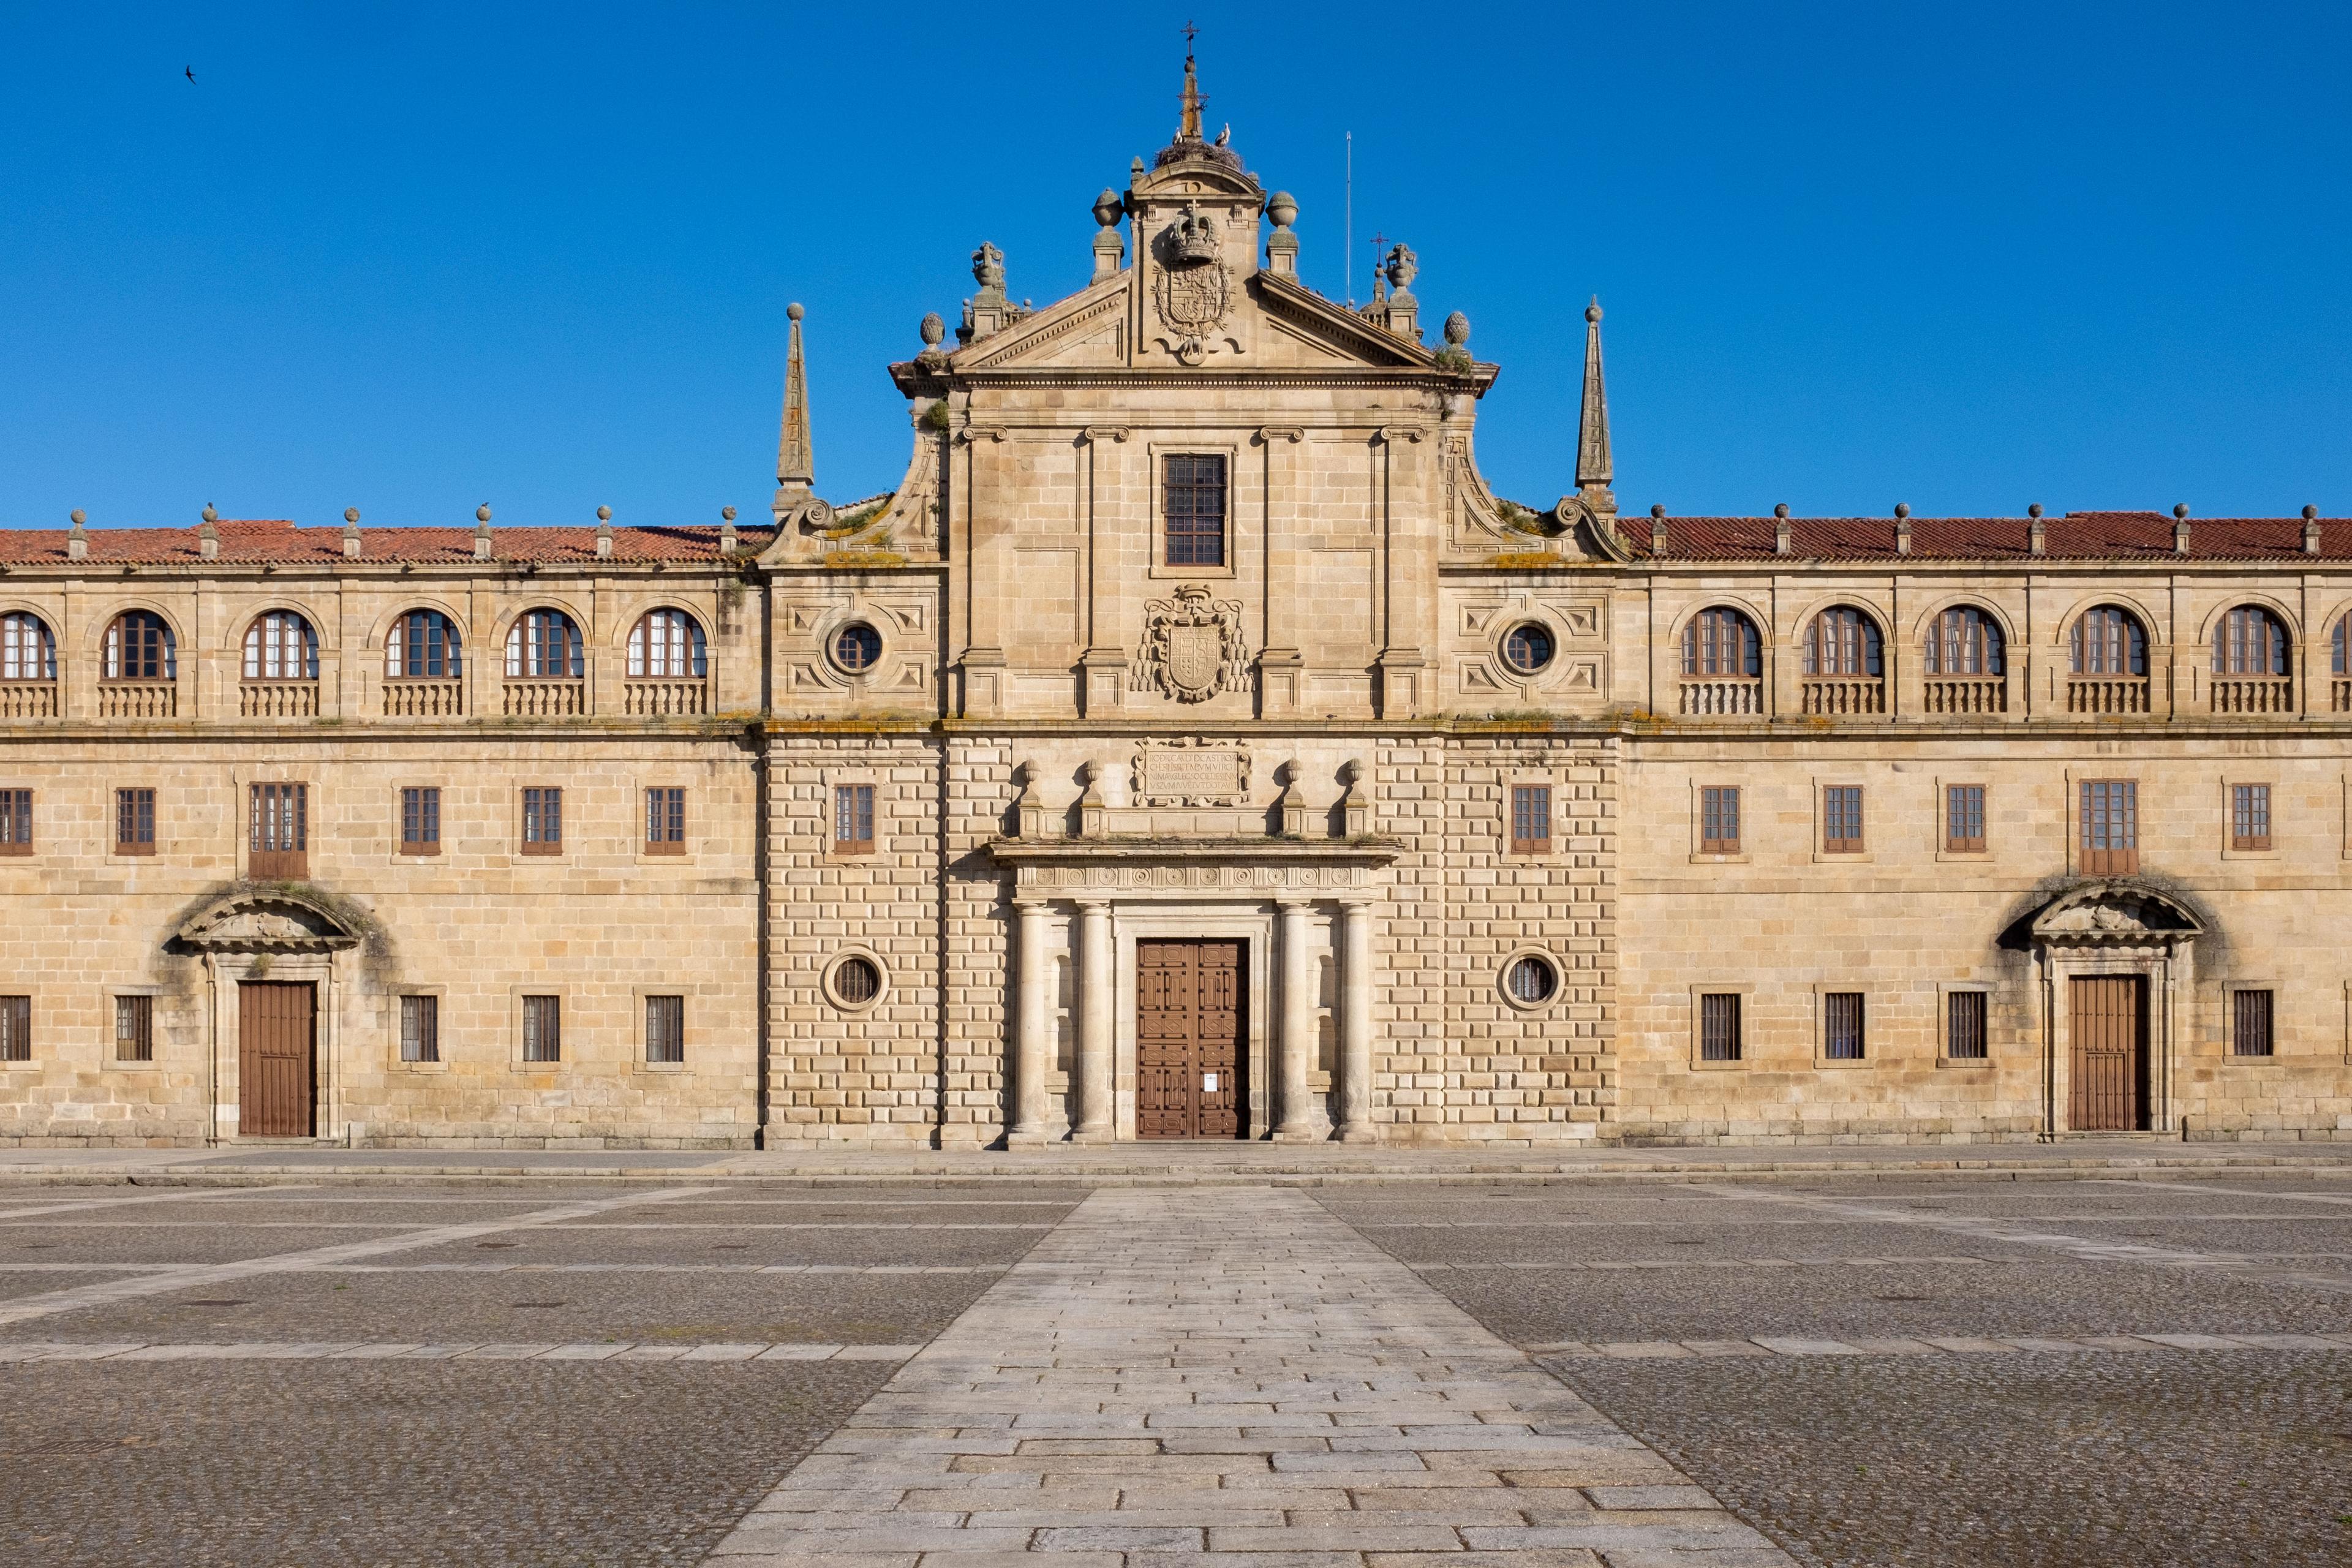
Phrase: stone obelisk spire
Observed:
(1594, 468)
(795, 459)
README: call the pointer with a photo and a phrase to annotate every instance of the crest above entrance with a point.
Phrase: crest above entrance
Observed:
(2106, 912)
(277, 921)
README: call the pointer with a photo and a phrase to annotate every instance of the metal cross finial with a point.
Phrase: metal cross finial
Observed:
(1190, 33)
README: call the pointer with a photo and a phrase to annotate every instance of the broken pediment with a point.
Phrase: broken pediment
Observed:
(275, 922)
(2116, 911)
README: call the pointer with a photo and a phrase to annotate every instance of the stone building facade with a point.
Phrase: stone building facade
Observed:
(1192, 745)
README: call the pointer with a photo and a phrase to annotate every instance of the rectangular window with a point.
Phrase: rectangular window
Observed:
(2249, 817)
(1196, 510)
(1718, 1028)
(420, 825)
(15, 822)
(664, 821)
(279, 843)
(134, 821)
(2249, 1023)
(1841, 1025)
(1964, 819)
(420, 1028)
(1718, 820)
(134, 1028)
(852, 819)
(665, 1028)
(2110, 827)
(15, 1028)
(1842, 820)
(542, 823)
(1964, 1025)
(1531, 819)
(542, 1028)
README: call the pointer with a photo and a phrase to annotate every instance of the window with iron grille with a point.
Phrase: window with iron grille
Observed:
(279, 842)
(666, 820)
(2249, 817)
(15, 822)
(420, 821)
(1842, 820)
(665, 1028)
(1841, 1025)
(1531, 819)
(1718, 820)
(2110, 827)
(1196, 510)
(852, 819)
(134, 1028)
(1964, 1025)
(420, 1028)
(1964, 819)
(1718, 1026)
(542, 820)
(542, 1028)
(15, 1028)
(134, 821)
(2249, 1023)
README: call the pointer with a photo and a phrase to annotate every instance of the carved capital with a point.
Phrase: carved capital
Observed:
(1268, 435)
(1100, 433)
(969, 434)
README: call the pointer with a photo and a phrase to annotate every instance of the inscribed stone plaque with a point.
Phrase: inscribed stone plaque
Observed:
(1190, 776)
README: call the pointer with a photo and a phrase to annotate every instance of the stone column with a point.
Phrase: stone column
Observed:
(1032, 1024)
(1355, 1021)
(1097, 1004)
(1297, 1038)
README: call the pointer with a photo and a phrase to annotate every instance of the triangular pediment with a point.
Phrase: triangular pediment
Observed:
(1084, 330)
(275, 921)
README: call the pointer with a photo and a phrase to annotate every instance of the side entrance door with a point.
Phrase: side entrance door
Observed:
(276, 1059)
(1191, 1010)
(2107, 1065)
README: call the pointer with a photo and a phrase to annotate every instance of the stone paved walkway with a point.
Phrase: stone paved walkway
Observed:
(1230, 1376)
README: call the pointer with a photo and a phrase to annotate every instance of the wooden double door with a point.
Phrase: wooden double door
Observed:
(1191, 1020)
(2106, 1068)
(277, 1058)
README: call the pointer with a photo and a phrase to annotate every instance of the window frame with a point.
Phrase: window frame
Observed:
(1983, 641)
(1944, 995)
(1527, 802)
(1829, 1001)
(125, 806)
(439, 1060)
(870, 808)
(527, 643)
(402, 846)
(1719, 849)
(531, 817)
(1157, 453)
(277, 864)
(524, 995)
(638, 649)
(1164, 489)
(1831, 808)
(22, 1031)
(1959, 846)
(1697, 650)
(828, 981)
(19, 820)
(1743, 1019)
(14, 657)
(2233, 645)
(267, 637)
(1868, 649)
(2135, 643)
(2111, 861)
(642, 999)
(674, 808)
(111, 647)
(2237, 844)
(141, 1012)
(1522, 954)
(2233, 1018)
(451, 649)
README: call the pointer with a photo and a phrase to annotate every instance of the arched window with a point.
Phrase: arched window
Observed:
(667, 643)
(139, 646)
(2340, 661)
(423, 647)
(1722, 642)
(545, 643)
(2108, 641)
(27, 651)
(1843, 641)
(2248, 640)
(1964, 640)
(280, 646)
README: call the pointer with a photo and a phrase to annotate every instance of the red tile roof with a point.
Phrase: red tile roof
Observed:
(2077, 536)
(280, 543)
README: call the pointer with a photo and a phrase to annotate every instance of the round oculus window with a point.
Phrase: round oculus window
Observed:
(857, 981)
(1531, 981)
(1528, 648)
(858, 648)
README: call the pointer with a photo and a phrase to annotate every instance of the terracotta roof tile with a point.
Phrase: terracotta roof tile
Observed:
(2077, 536)
(280, 543)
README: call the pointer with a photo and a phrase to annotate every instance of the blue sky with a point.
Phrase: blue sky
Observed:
(412, 257)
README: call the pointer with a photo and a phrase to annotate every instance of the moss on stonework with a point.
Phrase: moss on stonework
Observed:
(1527, 560)
(850, 558)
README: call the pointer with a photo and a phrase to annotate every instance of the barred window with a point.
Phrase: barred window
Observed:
(1196, 510)
(1841, 1025)
(542, 1028)
(15, 822)
(2110, 827)
(1532, 980)
(280, 646)
(1531, 819)
(134, 1028)
(27, 650)
(545, 644)
(2249, 817)
(852, 819)
(665, 1028)
(666, 821)
(1964, 1025)
(542, 820)
(15, 1028)
(1964, 819)
(1842, 820)
(134, 821)
(420, 821)
(1718, 820)
(278, 841)
(423, 647)
(420, 1028)
(1718, 1026)
(2249, 1023)
(667, 643)
(139, 646)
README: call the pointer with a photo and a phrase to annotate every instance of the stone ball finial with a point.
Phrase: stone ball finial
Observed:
(1902, 509)
(1593, 311)
(2033, 511)
(2181, 508)
(1657, 509)
(1457, 330)
(1781, 509)
(77, 517)
(1282, 208)
(2309, 513)
(933, 330)
(603, 514)
(482, 512)
(351, 514)
(210, 515)
(727, 513)
(1109, 209)
(792, 313)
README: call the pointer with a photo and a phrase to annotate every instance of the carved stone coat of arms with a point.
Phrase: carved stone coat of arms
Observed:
(1193, 287)
(1193, 646)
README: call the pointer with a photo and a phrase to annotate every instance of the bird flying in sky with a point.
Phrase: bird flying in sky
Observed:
(192, 76)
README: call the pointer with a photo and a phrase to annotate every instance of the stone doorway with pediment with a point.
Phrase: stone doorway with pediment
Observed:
(273, 958)
(2117, 963)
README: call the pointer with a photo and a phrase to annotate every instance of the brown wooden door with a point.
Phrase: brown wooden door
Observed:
(2107, 1067)
(275, 1059)
(1191, 1011)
